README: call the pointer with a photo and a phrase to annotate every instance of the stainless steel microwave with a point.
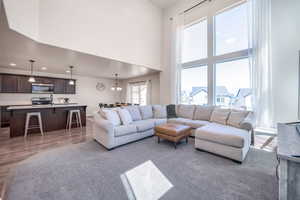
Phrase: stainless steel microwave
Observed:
(40, 88)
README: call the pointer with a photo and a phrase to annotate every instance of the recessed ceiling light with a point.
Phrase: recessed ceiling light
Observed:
(12, 64)
(44, 68)
(68, 71)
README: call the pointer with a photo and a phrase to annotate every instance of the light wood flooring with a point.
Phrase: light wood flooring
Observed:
(14, 150)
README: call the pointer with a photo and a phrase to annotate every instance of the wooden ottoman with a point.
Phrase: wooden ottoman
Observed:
(173, 132)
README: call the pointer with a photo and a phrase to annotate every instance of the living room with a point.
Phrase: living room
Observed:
(149, 99)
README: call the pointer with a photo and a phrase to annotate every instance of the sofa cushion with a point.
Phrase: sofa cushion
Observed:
(236, 117)
(134, 112)
(195, 123)
(125, 116)
(186, 111)
(144, 125)
(159, 111)
(111, 115)
(125, 130)
(225, 135)
(177, 120)
(146, 112)
(220, 115)
(203, 112)
(171, 111)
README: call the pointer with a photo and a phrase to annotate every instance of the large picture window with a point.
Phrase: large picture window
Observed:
(215, 66)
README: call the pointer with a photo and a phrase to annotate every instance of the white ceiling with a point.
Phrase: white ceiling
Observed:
(164, 3)
(18, 49)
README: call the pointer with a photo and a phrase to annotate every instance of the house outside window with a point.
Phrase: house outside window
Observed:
(215, 65)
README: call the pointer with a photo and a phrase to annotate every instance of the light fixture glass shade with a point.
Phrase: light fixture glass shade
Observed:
(113, 88)
(71, 82)
(119, 88)
(31, 79)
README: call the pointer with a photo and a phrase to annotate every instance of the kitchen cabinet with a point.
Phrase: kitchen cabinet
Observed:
(0, 85)
(5, 116)
(24, 86)
(9, 84)
(70, 89)
(59, 86)
(13, 83)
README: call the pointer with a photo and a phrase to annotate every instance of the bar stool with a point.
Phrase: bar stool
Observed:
(70, 119)
(28, 126)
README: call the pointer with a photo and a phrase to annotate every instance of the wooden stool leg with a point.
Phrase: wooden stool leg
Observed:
(79, 119)
(40, 124)
(26, 125)
(175, 145)
(186, 139)
(158, 139)
(68, 116)
(70, 121)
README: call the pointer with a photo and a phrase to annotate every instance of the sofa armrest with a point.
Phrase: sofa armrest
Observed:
(104, 124)
(249, 122)
(103, 131)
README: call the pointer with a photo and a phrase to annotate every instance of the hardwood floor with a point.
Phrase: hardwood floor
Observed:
(14, 150)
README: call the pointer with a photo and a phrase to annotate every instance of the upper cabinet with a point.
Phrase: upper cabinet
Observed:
(24, 86)
(10, 83)
(59, 86)
(70, 89)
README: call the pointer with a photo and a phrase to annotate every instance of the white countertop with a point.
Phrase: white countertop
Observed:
(44, 106)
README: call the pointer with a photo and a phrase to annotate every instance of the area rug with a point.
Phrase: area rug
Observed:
(88, 171)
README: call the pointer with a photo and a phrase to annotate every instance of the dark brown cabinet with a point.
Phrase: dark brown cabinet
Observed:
(24, 86)
(5, 116)
(0, 83)
(9, 84)
(59, 86)
(70, 89)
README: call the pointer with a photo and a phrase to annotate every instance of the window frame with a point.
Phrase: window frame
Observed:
(212, 59)
(139, 85)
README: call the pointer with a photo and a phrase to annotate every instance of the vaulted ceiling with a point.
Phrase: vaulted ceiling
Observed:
(17, 48)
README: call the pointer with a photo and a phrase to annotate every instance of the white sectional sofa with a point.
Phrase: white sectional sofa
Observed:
(225, 132)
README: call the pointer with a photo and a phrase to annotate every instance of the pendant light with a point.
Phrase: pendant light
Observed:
(71, 82)
(31, 78)
(116, 86)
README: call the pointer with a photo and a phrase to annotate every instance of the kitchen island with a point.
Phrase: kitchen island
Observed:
(54, 117)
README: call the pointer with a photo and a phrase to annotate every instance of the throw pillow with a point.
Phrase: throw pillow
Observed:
(220, 115)
(236, 117)
(125, 116)
(203, 112)
(112, 116)
(146, 112)
(171, 111)
(160, 111)
(186, 111)
(134, 112)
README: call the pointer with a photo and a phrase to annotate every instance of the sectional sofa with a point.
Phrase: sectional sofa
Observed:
(225, 132)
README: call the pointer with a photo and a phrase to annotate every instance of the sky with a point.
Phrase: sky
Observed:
(231, 35)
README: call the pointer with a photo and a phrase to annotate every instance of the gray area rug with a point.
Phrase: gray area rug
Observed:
(88, 171)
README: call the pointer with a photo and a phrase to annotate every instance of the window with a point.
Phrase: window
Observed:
(195, 42)
(232, 30)
(138, 93)
(233, 84)
(217, 72)
(194, 85)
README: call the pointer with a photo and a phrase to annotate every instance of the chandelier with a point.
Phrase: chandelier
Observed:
(116, 86)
